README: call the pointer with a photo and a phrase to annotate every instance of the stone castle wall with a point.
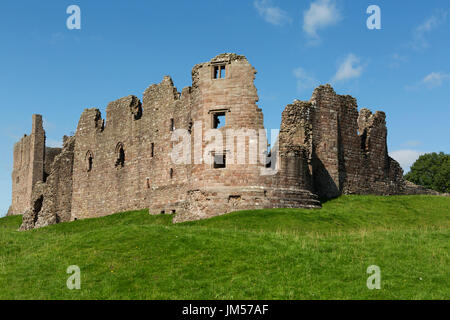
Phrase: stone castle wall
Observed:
(51, 201)
(325, 148)
(28, 166)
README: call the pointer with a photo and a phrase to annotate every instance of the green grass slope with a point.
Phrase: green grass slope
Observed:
(265, 254)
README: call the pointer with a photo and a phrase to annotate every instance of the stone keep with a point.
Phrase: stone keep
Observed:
(325, 148)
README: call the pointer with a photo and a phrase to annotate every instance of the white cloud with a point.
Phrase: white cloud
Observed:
(320, 15)
(435, 79)
(273, 15)
(350, 68)
(304, 80)
(406, 158)
(432, 80)
(420, 33)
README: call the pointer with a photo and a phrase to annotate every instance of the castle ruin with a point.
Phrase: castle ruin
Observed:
(325, 148)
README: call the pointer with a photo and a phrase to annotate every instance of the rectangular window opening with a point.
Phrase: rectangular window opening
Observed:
(220, 161)
(216, 72)
(219, 119)
(219, 72)
(172, 125)
(269, 160)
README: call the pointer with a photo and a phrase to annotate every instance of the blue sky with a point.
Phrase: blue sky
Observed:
(123, 46)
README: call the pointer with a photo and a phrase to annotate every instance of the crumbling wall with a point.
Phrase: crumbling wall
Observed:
(325, 141)
(133, 160)
(348, 149)
(295, 146)
(147, 177)
(50, 154)
(150, 178)
(28, 166)
(51, 201)
(166, 112)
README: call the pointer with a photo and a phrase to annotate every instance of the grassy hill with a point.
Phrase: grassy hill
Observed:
(265, 254)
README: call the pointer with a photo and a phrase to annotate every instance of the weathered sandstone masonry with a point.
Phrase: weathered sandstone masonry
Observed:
(325, 148)
(32, 164)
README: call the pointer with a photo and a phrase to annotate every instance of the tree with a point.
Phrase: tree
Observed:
(432, 171)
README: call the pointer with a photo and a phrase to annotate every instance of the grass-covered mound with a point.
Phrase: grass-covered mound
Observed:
(264, 254)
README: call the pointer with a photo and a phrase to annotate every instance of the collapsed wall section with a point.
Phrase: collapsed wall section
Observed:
(50, 155)
(51, 201)
(293, 178)
(383, 174)
(348, 149)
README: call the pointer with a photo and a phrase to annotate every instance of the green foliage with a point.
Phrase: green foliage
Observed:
(260, 254)
(431, 171)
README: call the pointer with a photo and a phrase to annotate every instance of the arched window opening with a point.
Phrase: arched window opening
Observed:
(120, 161)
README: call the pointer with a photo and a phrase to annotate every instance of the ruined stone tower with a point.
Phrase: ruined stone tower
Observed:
(203, 152)
(32, 162)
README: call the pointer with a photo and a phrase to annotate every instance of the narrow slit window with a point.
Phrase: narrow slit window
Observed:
(220, 161)
(89, 164)
(219, 120)
(172, 125)
(171, 173)
(89, 161)
(152, 150)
